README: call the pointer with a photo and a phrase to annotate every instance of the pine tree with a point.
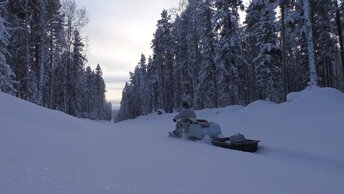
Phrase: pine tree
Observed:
(208, 88)
(21, 47)
(187, 54)
(6, 73)
(152, 81)
(163, 60)
(251, 49)
(339, 26)
(142, 80)
(42, 50)
(194, 60)
(76, 75)
(310, 44)
(296, 63)
(124, 112)
(325, 44)
(58, 84)
(267, 62)
(283, 50)
(55, 42)
(229, 51)
(99, 93)
(181, 68)
(75, 19)
(89, 98)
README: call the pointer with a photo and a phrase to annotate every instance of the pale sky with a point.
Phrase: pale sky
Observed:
(118, 32)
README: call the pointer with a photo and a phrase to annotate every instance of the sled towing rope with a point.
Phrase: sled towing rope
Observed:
(197, 129)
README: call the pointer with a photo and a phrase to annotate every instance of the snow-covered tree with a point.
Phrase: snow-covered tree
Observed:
(208, 88)
(325, 44)
(295, 62)
(163, 59)
(339, 20)
(6, 73)
(42, 50)
(124, 111)
(152, 80)
(180, 49)
(19, 47)
(310, 45)
(99, 92)
(56, 43)
(142, 84)
(75, 20)
(229, 50)
(268, 61)
(77, 77)
(186, 39)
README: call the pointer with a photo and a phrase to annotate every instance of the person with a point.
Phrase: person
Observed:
(184, 114)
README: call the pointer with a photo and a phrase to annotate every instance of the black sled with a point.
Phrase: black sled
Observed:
(246, 145)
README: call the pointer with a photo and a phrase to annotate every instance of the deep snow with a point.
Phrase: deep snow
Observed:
(301, 150)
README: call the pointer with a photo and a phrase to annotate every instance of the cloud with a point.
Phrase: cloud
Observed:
(118, 33)
(116, 78)
(116, 87)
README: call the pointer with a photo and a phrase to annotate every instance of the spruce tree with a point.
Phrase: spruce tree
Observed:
(310, 44)
(163, 59)
(99, 93)
(267, 62)
(77, 76)
(325, 44)
(20, 14)
(229, 51)
(153, 86)
(208, 88)
(179, 48)
(6, 74)
(142, 80)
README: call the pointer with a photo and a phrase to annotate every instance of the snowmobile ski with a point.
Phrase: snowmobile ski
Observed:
(171, 134)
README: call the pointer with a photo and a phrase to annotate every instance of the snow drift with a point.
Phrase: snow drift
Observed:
(44, 151)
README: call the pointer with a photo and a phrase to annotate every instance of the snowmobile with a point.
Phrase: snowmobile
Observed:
(197, 129)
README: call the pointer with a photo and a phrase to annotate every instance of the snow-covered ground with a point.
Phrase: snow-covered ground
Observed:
(301, 151)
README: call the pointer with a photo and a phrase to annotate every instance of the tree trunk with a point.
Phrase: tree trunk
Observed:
(340, 35)
(51, 90)
(42, 54)
(284, 65)
(27, 58)
(310, 45)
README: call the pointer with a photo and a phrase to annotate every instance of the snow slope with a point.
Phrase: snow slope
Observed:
(44, 151)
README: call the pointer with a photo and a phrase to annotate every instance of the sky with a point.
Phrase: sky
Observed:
(118, 33)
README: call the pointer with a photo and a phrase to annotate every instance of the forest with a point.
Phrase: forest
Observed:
(207, 53)
(211, 53)
(43, 58)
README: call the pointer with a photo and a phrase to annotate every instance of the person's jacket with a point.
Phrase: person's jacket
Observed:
(184, 114)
